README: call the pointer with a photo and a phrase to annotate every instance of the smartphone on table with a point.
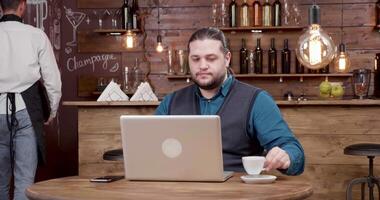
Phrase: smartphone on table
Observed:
(106, 179)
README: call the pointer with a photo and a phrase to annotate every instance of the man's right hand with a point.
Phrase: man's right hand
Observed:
(49, 121)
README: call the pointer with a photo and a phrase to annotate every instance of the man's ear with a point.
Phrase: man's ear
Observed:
(21, 8)
(228, 59)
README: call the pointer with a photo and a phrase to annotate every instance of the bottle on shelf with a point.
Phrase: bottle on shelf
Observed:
(135, 14)
(377, 5)
(276, 12)
(325, 70)
(126, 17)
(312, 71)
(244, 14)
(257, 13)
(376, 79)
(243, 58)
(138, 75)
(251, 62)
(233, 13)
(126, 75)
(285, 58)
(267, 14)
(258, 58)
(272, 58)
(300, 69)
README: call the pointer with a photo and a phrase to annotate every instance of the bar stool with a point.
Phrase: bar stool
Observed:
(369, 150)
(113, 155)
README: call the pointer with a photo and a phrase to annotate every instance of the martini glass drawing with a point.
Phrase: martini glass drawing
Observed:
(75, 19)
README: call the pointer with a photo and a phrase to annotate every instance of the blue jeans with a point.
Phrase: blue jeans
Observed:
(25, 155)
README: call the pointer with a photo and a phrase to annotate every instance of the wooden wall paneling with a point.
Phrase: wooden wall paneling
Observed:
(365, 38)
(99, 3)
(176, 3)
(93, 145)
(325, 149)
(98, 132)
(105, 168)
(330, 181)
(91, 42)
(340, 121)
(178, 18)
(107, 118)
(351, 16)
(336, 1)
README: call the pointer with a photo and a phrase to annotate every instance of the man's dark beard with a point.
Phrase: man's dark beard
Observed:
(210, 86)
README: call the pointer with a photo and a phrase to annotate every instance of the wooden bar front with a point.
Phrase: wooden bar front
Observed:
(324, 128)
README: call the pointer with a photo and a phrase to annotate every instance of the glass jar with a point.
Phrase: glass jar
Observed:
(182, 62)
(170, 63)
(360, 82)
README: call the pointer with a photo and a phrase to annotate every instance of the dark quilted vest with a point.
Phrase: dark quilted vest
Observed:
(234, 114)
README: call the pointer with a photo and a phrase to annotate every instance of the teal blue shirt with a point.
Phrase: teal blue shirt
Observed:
(266, 123)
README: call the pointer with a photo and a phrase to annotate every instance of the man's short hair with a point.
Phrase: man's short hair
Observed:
(209, 33)
(10, 4)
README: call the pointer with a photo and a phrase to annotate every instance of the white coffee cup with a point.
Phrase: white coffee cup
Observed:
(253, 165)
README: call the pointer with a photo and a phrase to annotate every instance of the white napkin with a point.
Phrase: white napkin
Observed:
(113, 93)
(144, 93)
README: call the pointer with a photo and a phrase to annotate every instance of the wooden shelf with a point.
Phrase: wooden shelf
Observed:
(279, 76)
(269, 75)
(115, 31)
(260, 29)
(289, 75)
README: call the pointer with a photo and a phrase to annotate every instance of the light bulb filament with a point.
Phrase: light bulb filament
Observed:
(315, 50)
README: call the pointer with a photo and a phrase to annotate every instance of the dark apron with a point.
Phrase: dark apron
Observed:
(38, 108)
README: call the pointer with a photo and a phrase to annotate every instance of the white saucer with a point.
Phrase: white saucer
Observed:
(258, 178)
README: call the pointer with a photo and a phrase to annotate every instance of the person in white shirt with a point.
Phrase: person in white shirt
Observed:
(26, 62)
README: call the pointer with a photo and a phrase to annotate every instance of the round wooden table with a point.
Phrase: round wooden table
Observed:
(78, 188)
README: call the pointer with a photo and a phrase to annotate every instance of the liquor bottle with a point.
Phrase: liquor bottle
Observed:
(251, 62)
(138, 75)
(257, 13)
(376, 79)
(272, 58)
(126, 18)
(243, 58)
(244, 14)
(135, 14)
(267, 14)
(378, 13)
(233, 14)
(285, 58)
(325, 70)
(300, 69)
(258, 58)
(312, 71)
(276, 11)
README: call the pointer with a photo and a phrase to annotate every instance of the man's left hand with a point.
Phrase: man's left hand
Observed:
(276, 158)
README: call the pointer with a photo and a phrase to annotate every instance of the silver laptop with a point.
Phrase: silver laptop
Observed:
(172, 148)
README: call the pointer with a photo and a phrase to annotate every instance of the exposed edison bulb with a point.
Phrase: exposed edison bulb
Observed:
(129, 39)
(315, 48)
(342, 62)
(159, 47)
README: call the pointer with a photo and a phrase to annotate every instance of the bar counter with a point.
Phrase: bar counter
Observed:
(324, 128)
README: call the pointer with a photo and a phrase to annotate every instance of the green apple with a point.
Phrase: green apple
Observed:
(337, 90)
(325, 87)
(324, 95)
